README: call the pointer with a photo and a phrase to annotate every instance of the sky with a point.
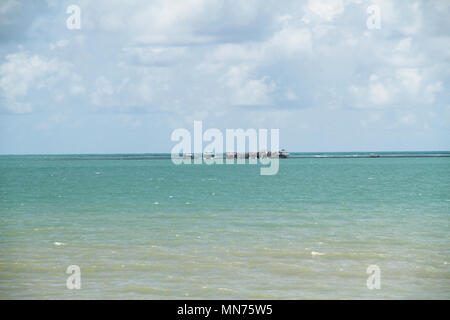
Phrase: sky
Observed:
(137, 70)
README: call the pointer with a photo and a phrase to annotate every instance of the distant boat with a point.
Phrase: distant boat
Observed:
(278, 154)
(284, 154)
(263, 154)
(251, 155)
(209, 155)
(273, 154)
(188, 156)
(231, 155)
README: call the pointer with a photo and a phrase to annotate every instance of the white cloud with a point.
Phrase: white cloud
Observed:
(22, 73)
(431, 90)
(308, 62)
(397, 88)
(378, 93)
(184, 56)
(326, 9)
(103, 91)
(410, 79)
(178, 22)
(246, 90)
(233, 53)
(291, 40)
(58, 44)
(255, 92)
(154, 55)
(403, 46)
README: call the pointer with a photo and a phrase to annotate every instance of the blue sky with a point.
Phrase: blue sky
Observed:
(137, 70)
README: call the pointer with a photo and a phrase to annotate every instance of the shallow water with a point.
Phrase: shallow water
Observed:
(140, 227)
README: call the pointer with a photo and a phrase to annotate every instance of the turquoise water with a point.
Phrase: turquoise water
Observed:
(140, 227)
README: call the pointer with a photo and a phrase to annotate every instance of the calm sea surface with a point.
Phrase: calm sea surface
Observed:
(140, 227)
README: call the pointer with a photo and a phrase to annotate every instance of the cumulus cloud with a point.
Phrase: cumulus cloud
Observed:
(23, 74)
(212, 58)
(326, 9)
(296, 54)
(154, 55)
(246, 91)
(180, 22)
(291, 40)
(399, 88)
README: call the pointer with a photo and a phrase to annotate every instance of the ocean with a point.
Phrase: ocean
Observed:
(140, 227)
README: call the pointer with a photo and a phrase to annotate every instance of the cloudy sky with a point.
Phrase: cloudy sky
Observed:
(137, 70)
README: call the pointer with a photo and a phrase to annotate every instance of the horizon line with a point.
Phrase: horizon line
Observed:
(143, 153)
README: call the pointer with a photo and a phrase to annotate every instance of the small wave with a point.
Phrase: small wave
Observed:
(58, 244)
(315, 253)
